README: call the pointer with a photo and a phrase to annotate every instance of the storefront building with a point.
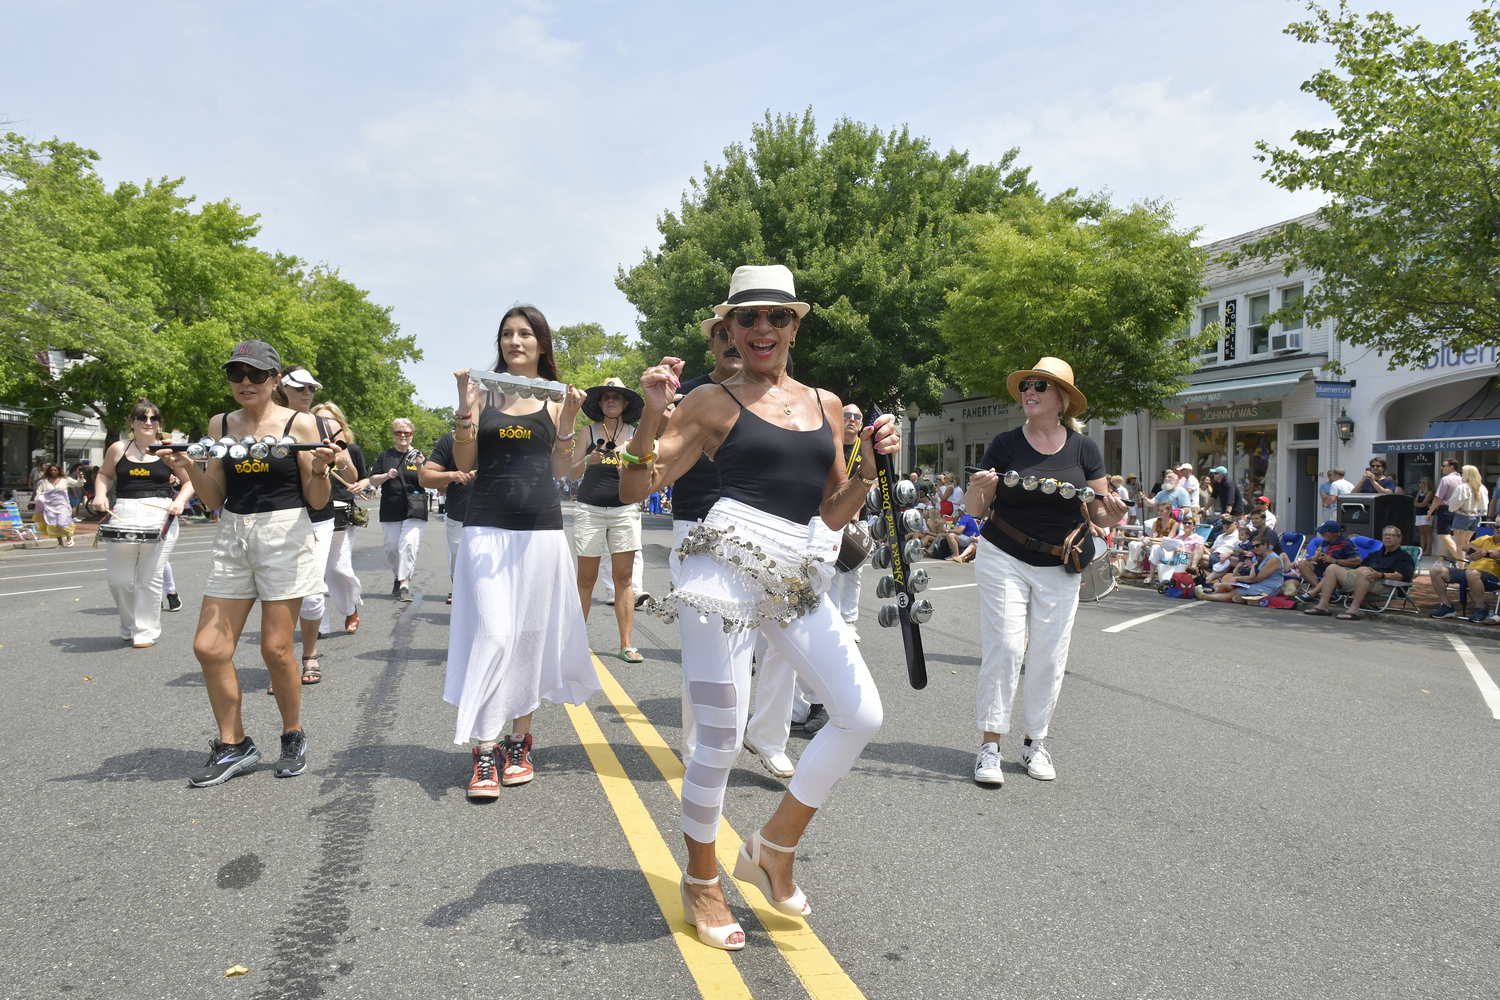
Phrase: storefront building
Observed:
(68, 440)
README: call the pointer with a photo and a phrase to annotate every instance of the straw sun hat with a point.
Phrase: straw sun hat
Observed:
(1060, 374)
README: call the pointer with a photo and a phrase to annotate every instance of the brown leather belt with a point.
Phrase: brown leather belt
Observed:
(1026, 540)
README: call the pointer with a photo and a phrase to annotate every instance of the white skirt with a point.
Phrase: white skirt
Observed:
(517, 634)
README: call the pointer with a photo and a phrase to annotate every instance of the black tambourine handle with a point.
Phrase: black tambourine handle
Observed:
(895, 537)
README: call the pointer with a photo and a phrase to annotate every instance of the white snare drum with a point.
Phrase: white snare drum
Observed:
(340, 515)
(142, 522)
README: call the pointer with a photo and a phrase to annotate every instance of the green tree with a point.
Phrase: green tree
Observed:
(1113, 297)
(870, 224)
(586, 356)
(1408, 245)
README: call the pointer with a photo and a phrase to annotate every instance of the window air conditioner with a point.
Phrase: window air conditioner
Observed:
(1287, 341)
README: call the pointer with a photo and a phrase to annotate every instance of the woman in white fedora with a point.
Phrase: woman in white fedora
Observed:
(758, 565)
(1027, 596)
(603, 524)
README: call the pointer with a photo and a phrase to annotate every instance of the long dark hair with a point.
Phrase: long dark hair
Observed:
(278, 394)
(546, 365)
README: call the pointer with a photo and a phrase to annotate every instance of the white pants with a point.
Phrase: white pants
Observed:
(637, 572)
(313, 606)
(134, 574)
(674, 568)
(454, 530)
(780, 697)
(401, 541)
(345, 592)
(1025, 615)
(845, 592)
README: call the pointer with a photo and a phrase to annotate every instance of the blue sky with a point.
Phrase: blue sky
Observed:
(454, 158)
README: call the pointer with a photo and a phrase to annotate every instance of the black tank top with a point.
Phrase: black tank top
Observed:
(694, 492)
(773, 469)
(513, 486)
(142, 480)
(325, 512)
(601, 483)
(259, 485)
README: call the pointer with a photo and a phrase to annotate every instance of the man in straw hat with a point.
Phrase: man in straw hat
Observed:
(1031, 553)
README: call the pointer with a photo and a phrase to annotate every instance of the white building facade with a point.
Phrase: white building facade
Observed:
(1256, 407)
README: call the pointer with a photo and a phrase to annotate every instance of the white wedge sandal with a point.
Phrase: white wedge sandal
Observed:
(747, 869)
(714, 937)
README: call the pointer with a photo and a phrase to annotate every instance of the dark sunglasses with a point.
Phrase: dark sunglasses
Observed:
(780, 318)
(257, 376)
(150, 418)
(1038, 384)
(720, 333)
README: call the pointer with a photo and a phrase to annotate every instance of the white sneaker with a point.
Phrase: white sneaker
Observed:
(1038, 762)
(987, 766)
(855, 631)
(777, 763)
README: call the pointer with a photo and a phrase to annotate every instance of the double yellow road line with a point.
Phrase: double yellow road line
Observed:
(713, 970)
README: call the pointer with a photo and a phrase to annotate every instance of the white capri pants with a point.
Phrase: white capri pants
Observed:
(780, 697)
(314, 608)
(401, 541)
(716, 667)
(845, 592)
(454, 531)
(134, 573)
(674, 569)
(1025, 615)
(345, 592)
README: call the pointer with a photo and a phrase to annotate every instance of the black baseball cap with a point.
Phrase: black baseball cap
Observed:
(256, 354)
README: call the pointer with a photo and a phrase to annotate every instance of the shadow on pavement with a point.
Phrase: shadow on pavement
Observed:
(251, 679)
(91, 644)
(156, 764)
(419, 655)
(439, 771)
(663, 713)
(565, 904)
(939, 763)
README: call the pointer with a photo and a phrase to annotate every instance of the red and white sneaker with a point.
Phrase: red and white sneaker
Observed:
(485, 783)
(516, 751)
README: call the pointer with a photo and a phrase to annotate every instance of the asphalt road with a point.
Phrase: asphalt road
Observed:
(1249, 804)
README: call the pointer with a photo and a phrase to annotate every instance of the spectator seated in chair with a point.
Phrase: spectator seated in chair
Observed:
(963, 540)
(1264, 579)
(1230, 552)
(1482, 574)
(1172, 492)
(1263, 522)
(1335, 549)
(1164, 527)
(1388, 564)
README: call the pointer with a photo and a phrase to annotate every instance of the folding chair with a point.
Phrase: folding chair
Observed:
(1395, 590)
(1291, 544)
(12, 526)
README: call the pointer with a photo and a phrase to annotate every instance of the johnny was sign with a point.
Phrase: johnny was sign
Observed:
(987, 410)
(1447, 357)
(1237, 411)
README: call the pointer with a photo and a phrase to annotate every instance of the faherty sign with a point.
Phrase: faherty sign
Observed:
(1230, 413)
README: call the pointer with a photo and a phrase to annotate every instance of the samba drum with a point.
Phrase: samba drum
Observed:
(1097, 581)
(340, 515)
(142, 522)
(854, 547)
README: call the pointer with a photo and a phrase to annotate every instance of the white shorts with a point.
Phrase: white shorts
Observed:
(270, 557)
(598, 531)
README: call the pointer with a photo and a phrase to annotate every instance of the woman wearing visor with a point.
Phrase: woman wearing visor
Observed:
(143, 495)
(758, 565)
(264, 551)
(345, 592)
(1027, 597)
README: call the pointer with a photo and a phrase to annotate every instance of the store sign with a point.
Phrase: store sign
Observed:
(1231, 413)
(1446, 357)
(1424, 446)
(987, 410)
(1334, 390)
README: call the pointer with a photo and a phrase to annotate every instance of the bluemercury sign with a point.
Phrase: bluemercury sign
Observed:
(1231, 412)
(1446, 357)
(986, 410)
(1334, 390)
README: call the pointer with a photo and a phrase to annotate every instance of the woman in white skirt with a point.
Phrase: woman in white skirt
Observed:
(263, 551)
(516, 634)
(144, 496)
(1027, 598)
(758, 565)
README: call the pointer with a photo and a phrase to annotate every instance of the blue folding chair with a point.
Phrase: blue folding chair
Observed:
(1291, 544)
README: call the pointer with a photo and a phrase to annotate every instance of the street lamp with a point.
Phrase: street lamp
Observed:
(911, 415)
(1345, 426)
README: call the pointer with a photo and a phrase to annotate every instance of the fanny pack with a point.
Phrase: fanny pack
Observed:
(1075, 551)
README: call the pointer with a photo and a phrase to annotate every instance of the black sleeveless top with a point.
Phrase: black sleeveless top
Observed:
(142, 480)
(694, 492)
(260, 485)
(601, 483)
(325, 512)
(773, 469)
(513, 486)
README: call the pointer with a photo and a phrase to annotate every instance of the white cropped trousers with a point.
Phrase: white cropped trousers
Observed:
(401, 541)
(845, 592)
(780, 697)
(345, 592)
(314, 608)
(1025, 616)
(134, 574)
(454, 531)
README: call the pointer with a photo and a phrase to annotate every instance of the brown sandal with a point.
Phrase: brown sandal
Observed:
(312, 674)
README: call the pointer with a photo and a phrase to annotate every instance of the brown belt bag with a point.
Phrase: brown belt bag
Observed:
(1075, 551)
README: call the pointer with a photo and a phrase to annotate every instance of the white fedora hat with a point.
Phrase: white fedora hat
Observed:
(762, 285)
(707, 326)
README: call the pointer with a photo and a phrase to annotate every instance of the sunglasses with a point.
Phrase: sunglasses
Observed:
(154, 418)
(1038, 384)
(402, 434)
(779, 317)
(257, 376)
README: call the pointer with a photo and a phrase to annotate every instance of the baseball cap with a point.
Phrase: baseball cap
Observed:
(1220, 470)
(256, 354)
(1264, 500)
(1330, 526)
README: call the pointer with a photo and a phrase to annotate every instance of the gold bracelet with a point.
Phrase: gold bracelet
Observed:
(458, 440)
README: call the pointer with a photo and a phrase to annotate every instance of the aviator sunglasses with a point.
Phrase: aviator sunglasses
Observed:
(257, 376)
(1040, 385)
(780, 318)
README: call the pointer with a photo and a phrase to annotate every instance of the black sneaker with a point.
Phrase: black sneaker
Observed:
(225, 760)
(395, 588)
(174, 603)
(816, 718)
(293, 754)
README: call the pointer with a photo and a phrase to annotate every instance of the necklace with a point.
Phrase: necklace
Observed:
(786, 407)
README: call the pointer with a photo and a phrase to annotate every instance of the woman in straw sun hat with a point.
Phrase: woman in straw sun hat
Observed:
(1027, 596)
(758, 566)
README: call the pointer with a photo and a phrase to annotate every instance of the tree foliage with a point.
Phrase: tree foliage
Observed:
(871, 225)
(1408, 245)
(1113, 297)
(586, 356)
(147, 296)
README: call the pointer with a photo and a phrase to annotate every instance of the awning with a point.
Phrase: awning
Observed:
(1236, 389)
(1473, 425)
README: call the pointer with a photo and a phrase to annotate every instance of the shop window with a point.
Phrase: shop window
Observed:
(1260, 336)
(930, 459)
(1207, 317)
(1208, 447)
(1305, 432)
(1254, 466)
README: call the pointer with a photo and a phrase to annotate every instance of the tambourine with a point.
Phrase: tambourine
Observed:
(516, 385)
